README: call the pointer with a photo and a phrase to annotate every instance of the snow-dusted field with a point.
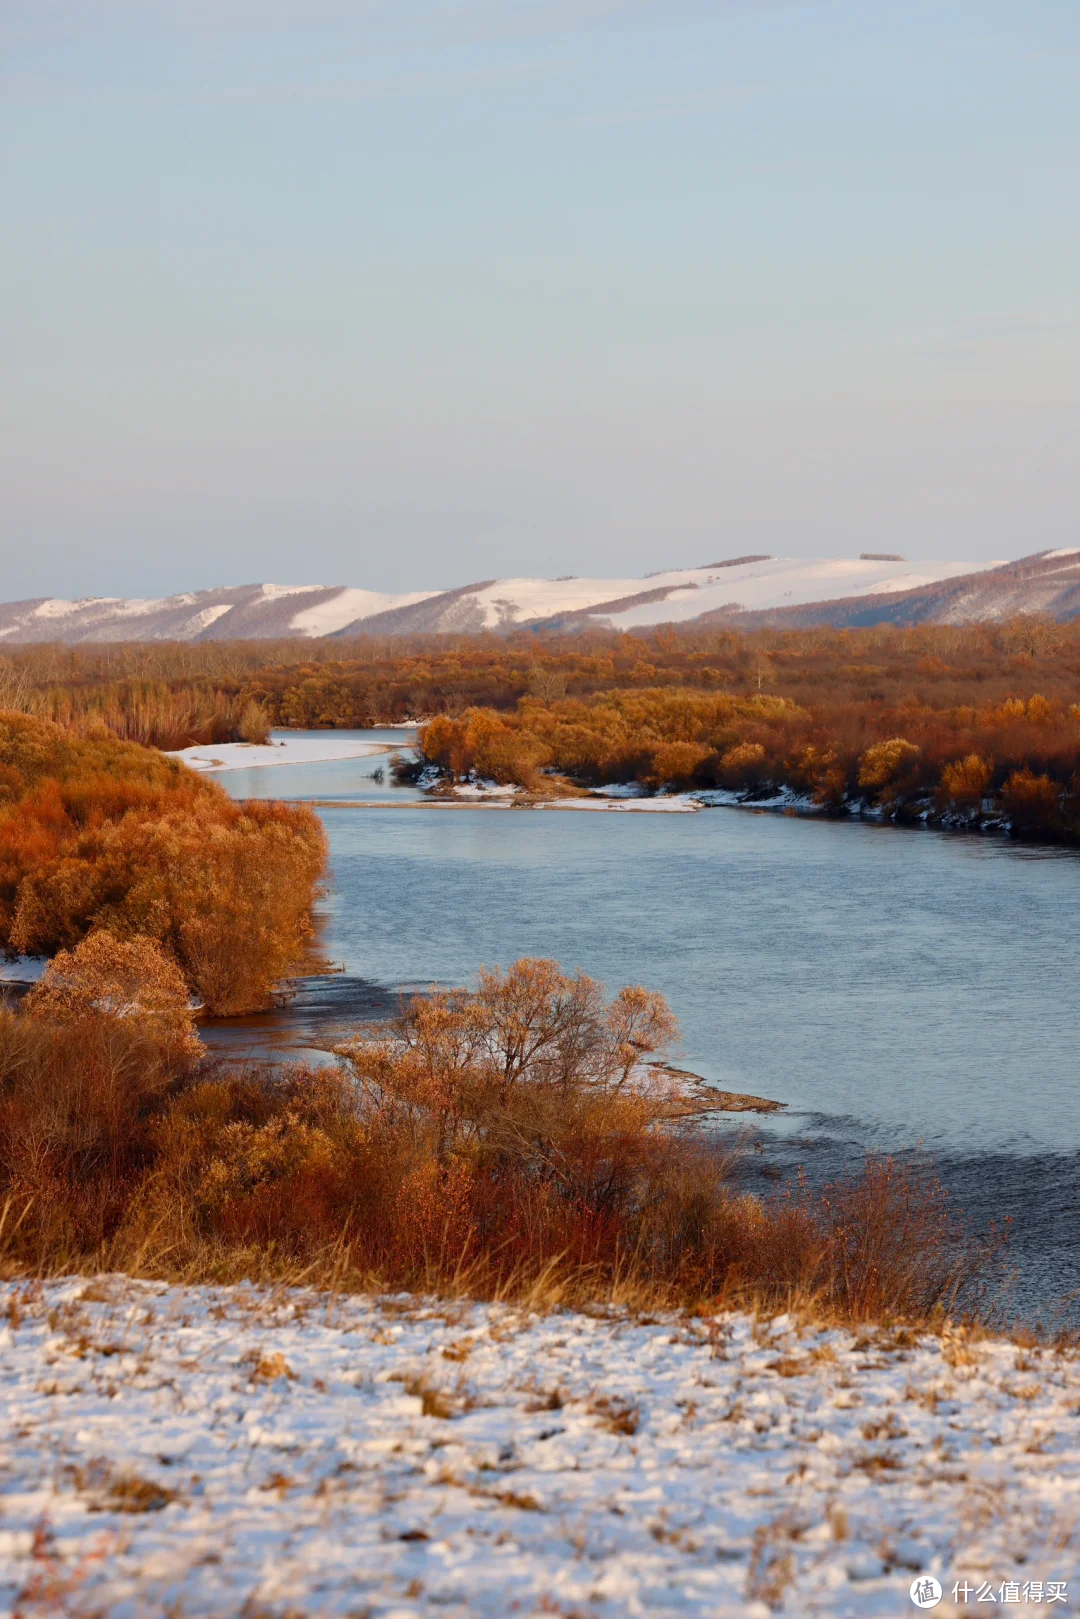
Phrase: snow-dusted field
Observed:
(171, 1451)
(296, 750)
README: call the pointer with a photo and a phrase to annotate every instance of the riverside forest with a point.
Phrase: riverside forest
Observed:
(497, 1139)
(937, 722)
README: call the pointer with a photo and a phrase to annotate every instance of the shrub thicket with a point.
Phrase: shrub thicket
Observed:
(1024, 756)
(517, 1140)
(96, 834)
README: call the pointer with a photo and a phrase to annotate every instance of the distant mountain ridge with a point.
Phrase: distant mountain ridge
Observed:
(743, 591)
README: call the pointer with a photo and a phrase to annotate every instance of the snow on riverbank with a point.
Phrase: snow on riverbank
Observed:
(509, 800)
(221, 1452)
(291, 751)
(23, 970)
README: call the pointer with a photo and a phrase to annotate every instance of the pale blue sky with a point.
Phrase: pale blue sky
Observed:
(415, 292)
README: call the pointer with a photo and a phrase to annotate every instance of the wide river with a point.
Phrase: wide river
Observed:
(899, 990)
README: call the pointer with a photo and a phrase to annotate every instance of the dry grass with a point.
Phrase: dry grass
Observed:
(507, 1146)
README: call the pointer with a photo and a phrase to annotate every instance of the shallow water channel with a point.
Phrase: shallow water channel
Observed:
(898, 989)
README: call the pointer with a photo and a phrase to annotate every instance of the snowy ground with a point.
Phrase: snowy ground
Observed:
(173, 1451)
(507, 800)
(291, 751)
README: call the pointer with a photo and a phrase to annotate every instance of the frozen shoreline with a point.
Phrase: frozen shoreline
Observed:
(670, 806)
(219, 1451)
(293, 751)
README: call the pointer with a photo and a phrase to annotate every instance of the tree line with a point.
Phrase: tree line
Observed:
(940, 720)
(169, 694)
(1014, 758)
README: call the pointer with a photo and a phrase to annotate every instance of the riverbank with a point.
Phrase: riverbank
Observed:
(783, 802)
(281, 751)
(669, 806)
(226, 1451)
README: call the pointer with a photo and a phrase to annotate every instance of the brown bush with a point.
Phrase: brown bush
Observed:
(109, 978)
(77, 1101)
(742, 765)
(254, 724)
(97, 835)
(964, 782)
(493, 1143)
(677, 764)
(1033, 802)
(881, 764)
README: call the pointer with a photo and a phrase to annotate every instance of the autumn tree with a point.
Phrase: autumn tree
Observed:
(97, 835)
(964, 782)
(882, 764)
(107, 977)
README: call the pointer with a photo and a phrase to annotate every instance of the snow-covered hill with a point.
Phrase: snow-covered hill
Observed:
(745, 590)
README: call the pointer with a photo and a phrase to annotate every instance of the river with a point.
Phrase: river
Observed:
(899, 990)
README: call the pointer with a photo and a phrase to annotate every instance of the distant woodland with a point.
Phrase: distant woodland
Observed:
(952, 722)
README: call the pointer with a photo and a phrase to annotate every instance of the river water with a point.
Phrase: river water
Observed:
(899, 990)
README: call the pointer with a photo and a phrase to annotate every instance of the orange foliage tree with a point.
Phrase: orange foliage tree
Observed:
(100, 835)
(107, 977)
(946, 761)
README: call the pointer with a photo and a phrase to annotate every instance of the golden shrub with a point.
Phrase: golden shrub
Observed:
(97, 835)
(676, 763)
(881, 764)
(966, 780)
(117, 978)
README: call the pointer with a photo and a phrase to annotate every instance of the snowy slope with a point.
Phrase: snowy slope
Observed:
(687, 592)
(787, 582)
(864, 590)
(225, 1452)
(242, 612)
(349, 606)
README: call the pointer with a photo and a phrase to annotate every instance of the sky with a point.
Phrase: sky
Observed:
(411, 293)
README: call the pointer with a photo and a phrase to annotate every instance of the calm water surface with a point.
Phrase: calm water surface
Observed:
(895, 988)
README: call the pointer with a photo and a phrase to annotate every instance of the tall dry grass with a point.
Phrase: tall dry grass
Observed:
(509, 1143)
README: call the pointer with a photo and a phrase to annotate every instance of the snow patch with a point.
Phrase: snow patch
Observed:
(56, 608)
(349, 605)
(274, 592)
(201, 621)
(291, 751)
